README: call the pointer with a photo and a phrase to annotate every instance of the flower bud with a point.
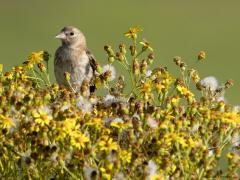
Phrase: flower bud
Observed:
(139, 106)
(111, 59)
(55, 87)
(195, 77)
(146, 97)
(178, 81)
(109, 50)
(85, 88)
(98, 68)
(133, 50)
(67, 76)
(143, 67)
(150, 58)
(183, 66)
(46, 56)
(120, 56)
(124, 109)
(98, 82)
(136, 67)
(218, 152)
(1, 68)
(41, 67)
(229, 83)
(145, 46)
(199, 86)
(122, 48)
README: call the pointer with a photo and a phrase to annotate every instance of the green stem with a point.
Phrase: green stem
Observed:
(69, 172)
(35, 77)
(48, 79)
(70, 85)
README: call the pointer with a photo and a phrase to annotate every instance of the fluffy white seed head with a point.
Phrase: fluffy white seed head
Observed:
(210, 83)
(110, 68)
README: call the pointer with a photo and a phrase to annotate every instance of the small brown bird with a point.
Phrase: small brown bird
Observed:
(73, 57)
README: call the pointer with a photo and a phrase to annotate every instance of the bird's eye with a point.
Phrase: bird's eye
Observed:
(71, 33)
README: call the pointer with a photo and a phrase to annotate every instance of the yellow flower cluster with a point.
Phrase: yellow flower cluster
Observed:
(156, 128)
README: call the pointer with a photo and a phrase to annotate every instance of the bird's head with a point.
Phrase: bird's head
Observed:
(72, 37)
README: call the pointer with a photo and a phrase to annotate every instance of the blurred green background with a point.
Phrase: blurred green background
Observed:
(173, 27)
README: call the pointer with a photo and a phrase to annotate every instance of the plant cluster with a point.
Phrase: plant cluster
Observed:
(160, 129)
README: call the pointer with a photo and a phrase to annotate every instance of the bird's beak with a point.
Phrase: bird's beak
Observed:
(61, 36)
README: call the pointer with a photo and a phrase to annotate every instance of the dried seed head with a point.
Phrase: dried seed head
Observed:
(183, 66)
(151, 56)
(199, 86)
(46, 56)
(201, 55)
(177, 60)
(229, 83)
(179, 82)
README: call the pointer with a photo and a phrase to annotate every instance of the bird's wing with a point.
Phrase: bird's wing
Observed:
(92, 61)
(94, 65)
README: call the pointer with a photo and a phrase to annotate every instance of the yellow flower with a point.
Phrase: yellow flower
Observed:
(120, 125)
(69, 125)
(66, 127)
(175, 100)
(192, 143)
(78, 139)
(181, 89)
(41, 116)
(174, 137)
(132, 32)
(18, 69)
(95, 122)
(28, 64)
(67, 76)
(8, 75)
(36, 57)
(125, 156)
(230, 117)
(156, 177)
(230, 155)
(105, 174)
(185, 92)
(107, 144)
(146, 45)
(146, 87)
(159, 87)
(195, 77)
(6, 122)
